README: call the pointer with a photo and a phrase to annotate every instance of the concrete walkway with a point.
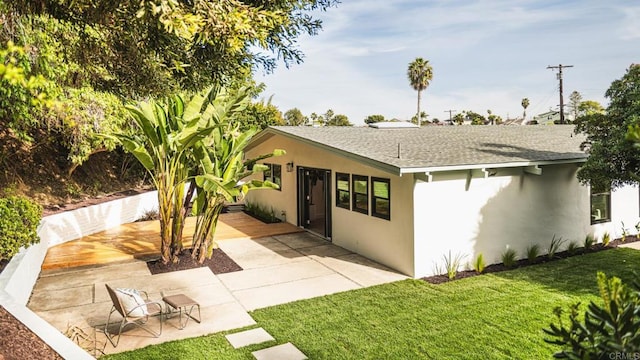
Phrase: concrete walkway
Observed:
(277, 269)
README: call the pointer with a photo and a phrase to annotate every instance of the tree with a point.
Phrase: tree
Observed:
(340, 120)
(169, 130)
(420, 74)
(590, 107)
(458, 119)
(493, 119)
(374, 119)
(161, 46)
(613, 160)
(258, 115)
(294, 117)
(423, 115)
(475, 118)
(525, 105)
(575, 99)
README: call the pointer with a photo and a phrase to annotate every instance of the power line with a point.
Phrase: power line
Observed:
(560, 67)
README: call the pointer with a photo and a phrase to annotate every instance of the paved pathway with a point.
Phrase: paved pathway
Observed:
(277, 269)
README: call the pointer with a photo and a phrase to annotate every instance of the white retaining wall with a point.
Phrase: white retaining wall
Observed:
(19, 277)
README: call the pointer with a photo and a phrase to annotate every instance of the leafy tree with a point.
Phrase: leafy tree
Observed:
(605, 330)
(374, 119)
(493, 119)
(420, 74)
(458, 119)
(163, 45)
(221, 167)
(258, 115)
(169, 130)
(613, 160)
(294, 117)
(525, 105)
(590, 107)
(338, 120)
(19, 220)
(423, 115)
(575, 99)
(475, 118)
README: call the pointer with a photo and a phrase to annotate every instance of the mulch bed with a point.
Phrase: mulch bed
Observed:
(440, 279)
(18, 342)
(219, 263)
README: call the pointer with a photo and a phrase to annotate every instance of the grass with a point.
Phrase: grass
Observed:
(493, 316)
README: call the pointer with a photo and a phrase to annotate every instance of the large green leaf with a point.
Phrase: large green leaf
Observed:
(139, 152)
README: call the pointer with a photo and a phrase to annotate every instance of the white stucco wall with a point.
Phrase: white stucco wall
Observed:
(625, 205)
(509, 210)
(388, 242)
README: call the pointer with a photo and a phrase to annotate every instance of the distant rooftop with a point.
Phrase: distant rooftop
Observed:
(393, 125)
(439, 148)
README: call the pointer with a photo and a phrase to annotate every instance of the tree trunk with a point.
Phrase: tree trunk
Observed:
(164, 210)
(418, 115)
(206, 227)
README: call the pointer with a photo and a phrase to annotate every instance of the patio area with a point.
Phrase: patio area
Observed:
(277, 268)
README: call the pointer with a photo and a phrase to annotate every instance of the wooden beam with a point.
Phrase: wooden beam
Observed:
(426, 177)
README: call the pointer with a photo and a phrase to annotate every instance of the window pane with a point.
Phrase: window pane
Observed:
(343, 191)
(267, 173)
(381, 207)
(277, 175)
(381, 189)
(600, 207)
(361, 203)
(360, 186)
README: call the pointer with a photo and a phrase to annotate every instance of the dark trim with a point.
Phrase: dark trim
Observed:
(373, 198)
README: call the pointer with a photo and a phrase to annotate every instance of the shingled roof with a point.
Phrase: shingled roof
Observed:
(439, 148)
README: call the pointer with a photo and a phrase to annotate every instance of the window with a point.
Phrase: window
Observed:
(273, 174)
(343, 191)
(600, 207)
(381, 198)
(360, 198)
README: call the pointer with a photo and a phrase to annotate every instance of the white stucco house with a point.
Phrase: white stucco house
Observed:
(406, 197)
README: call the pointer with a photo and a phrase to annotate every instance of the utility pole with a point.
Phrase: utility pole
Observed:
(560, 67)
(450, 112)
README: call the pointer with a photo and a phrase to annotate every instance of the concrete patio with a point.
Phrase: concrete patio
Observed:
(276, 269)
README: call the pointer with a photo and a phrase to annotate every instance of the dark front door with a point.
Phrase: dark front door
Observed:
(314, 200)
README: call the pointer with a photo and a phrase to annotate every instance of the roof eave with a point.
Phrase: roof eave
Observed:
(490, 166)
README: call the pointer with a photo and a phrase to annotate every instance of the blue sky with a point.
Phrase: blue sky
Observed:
(485, 55)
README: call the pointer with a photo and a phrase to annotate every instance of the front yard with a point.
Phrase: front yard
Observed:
(495, 316)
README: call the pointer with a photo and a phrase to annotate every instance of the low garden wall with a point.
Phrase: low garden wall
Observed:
(19, 277)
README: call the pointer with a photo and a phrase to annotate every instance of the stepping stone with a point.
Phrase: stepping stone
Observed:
(249, 337)
(286, 351)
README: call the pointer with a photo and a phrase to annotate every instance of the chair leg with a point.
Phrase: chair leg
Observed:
(106, 329)
(124, 323)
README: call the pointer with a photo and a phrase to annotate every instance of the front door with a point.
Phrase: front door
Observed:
(314, 200)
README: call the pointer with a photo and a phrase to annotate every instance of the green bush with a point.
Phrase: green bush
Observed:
(479, 264)
(533, 251)
(19, 219)
(606, 331)
(509, 258)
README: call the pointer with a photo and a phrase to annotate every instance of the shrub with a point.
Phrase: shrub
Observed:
(452, 264)
(588, 242)
(573, 248)
(625, 232)
(606, 239)
(19, 219)
(479, 264)
(266, 214)
(532, 253)
(638, 230)
(604, 330)
(509, 258)
(554, 246)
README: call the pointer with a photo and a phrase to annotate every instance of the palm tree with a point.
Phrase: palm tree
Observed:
(525, 105)
(420, 74)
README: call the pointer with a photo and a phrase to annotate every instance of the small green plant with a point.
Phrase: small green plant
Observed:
(638, 229)
(603, 330)
(572, 248)
(479, 264)
(509, 258)
(148, 215)
(589, 240)
(262, 212)
(533, 251)
(606, 239)
(452, 264)
(554, 246)
(19, 219)
(625, 232)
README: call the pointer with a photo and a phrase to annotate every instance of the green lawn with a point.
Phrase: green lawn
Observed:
(495, 316)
